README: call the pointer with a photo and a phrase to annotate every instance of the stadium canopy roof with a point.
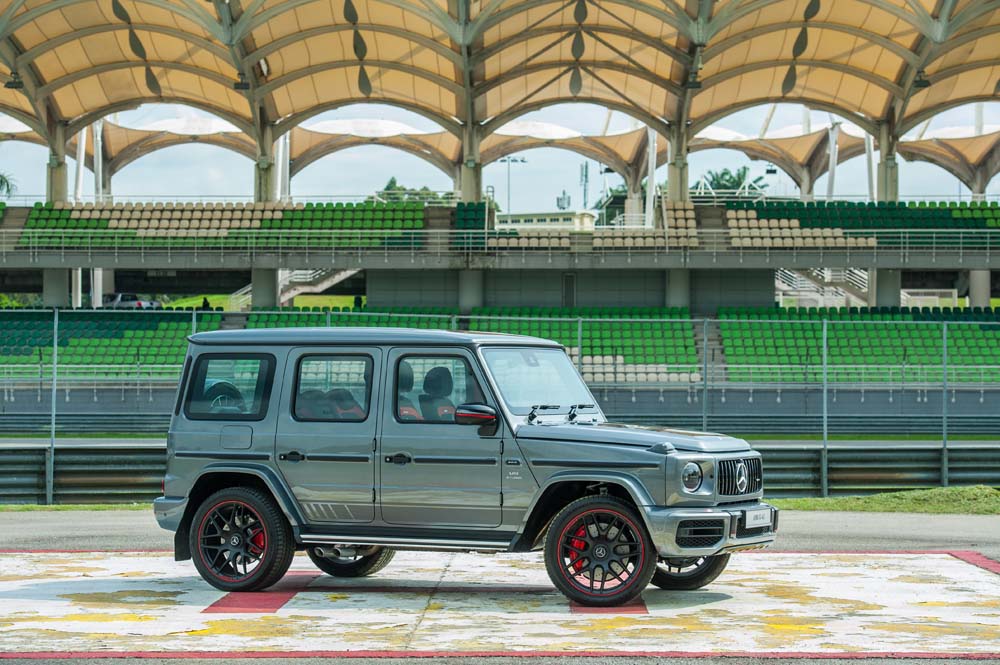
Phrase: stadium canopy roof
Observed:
(482, 63)
(973, 160)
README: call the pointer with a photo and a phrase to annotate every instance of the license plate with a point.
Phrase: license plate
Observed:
(753, 519)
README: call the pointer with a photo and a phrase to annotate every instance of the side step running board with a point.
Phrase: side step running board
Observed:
(412, 543)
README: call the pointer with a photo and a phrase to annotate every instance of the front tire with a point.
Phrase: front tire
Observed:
(240, 540)
(598, 553)
(687, 574)
(360, 566)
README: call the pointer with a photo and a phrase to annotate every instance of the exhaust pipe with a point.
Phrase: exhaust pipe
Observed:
(336, 552)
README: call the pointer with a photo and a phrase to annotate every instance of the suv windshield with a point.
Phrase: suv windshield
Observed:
(526, 377)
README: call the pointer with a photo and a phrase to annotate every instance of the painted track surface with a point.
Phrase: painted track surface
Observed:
(781, 604)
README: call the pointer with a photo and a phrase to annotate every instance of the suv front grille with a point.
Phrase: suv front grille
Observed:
(700, 533)
(729, 476)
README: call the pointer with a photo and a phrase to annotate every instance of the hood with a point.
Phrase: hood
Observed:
(634, 435)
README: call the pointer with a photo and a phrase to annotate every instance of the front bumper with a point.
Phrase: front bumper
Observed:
(664, 524)
(169, 511)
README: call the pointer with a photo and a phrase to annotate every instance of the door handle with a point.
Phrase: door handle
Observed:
(294, 456)
(398, 458)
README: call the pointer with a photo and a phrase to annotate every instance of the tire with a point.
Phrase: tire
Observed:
(687, 574)
(595, 538)
(362, 566)
(240, 540)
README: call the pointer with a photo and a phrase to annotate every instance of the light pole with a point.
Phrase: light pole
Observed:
(511, 160)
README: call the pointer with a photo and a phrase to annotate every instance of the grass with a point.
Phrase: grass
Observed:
(67, 507)
(218, 300)
(975, 500)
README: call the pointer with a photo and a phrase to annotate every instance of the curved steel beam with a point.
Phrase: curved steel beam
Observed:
(51, 44)
(943, 74)
(342, 142)
(259, 54)
(512, 74)
(651, 42)
(723, 76)
(88, 118)
(915, 153)
(149, 145)
(49, 88)
(522, 143)
(281, 81)
(287, 123)
(718, 48)
(23, 117)
(707, 120)
(671, 19)
(515, 112)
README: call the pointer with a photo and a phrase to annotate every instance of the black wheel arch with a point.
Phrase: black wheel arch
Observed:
(560, 491)
(216, 477)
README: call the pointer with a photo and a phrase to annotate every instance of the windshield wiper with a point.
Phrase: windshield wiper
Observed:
(532, 416)
(571, 416)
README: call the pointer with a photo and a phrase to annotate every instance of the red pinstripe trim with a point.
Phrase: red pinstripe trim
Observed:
(636, 606)
(262, 602)
(847, 655)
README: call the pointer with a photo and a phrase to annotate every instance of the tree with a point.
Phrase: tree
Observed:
(398, 192)
(7, 185)
(726, 180)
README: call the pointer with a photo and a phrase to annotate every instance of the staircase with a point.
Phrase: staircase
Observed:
(295, 283)
(714, 349)
(824, 287)
(14, 220)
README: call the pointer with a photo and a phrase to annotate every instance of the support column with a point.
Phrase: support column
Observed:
(888, 169)
(806, 186)
(76, 288)
(265, 184)
(107, 195)
(650, 208)
(470, 290)
(264, 282)
(55, 287)
(56, 184)
(108, 279)
(470, 173)
(678, 287)
(96, 287)
(633, 196)
(677, 169)
(100, 195)
(979, 288)
(884, 287)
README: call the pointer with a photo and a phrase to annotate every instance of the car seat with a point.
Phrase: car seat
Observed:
(313, 405)
(344, 405)
(405, 409)
(434, 403)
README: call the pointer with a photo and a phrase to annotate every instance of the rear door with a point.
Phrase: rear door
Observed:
(326, 431)
(433, 471)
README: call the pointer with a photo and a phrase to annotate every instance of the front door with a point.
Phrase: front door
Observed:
(433, 471)
(326, 433)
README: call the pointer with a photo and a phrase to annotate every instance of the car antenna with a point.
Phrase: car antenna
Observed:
(571, 416)
(532, 416)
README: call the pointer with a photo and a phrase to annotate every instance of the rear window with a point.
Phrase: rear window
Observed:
(230, 387)
(333, 388)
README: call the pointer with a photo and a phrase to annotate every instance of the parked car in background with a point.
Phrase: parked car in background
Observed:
(128, 301)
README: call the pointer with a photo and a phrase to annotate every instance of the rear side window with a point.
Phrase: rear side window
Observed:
(428, 388)
(230, 387)
(333, 388)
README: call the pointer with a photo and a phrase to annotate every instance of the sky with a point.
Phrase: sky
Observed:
(206, 171)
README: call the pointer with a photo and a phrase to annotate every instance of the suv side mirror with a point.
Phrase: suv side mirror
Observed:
(478, 414)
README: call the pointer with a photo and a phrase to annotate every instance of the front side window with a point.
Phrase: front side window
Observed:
(230, 387)
(428, 388)
(333, 388)
(531, 376)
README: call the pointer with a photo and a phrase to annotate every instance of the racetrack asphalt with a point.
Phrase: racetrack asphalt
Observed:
(800, 531)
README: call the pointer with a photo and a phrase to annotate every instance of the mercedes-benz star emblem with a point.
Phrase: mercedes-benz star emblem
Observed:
(235, 541)
(600, 551)
(742, 479)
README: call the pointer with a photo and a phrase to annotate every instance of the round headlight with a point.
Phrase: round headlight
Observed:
(691, 476)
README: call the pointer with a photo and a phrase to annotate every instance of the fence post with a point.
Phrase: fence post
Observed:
(944, 404)
(704, 375)
(454, 323)
(824, 462)
(329, 318)
(50, 454)
(579, 345)
(194, 322)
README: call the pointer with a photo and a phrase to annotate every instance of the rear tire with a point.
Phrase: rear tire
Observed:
(687, 574)
(362, 566)
(598, 553)
(240, 540)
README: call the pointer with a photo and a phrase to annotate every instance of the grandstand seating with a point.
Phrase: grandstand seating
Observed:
(883, 215)
(100, 338)
(217, 224)
(437, 318)
(865, 345)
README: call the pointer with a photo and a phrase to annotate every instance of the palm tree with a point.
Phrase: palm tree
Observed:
(726, 180)
(7, 186)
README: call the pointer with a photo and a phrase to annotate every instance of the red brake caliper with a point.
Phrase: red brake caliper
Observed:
(258, 540)
(574, 556)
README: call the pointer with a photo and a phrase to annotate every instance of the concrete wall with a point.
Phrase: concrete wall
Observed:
(712, 289)
(412, 288)
(544, 288)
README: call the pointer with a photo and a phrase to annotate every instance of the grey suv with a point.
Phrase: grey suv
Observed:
(354, 443)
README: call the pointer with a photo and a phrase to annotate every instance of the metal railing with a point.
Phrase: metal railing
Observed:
(835, 376)
(251, 243)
